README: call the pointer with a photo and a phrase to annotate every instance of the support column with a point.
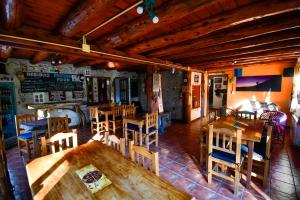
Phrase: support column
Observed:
(149, 89)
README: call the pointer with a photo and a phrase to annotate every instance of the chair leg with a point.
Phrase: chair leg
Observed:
(147, 141)
(266, 172)
(209, 169)
(114, 127)
(156, 138)
(236, 180)
(20, 146)
(28, 149)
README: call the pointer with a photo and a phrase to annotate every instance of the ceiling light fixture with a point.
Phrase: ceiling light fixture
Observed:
(56, 60)
(233, 62)
(149, 6)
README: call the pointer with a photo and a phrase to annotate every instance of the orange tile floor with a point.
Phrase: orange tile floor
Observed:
(178, 157)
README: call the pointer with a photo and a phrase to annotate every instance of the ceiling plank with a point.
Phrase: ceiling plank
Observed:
(5, 52)
(12, 13)
(36, 40)
(241, 52)
(242, 15)
(241, 44)
(261, 27)
(39, 57)
(168, 13)
(85, 12)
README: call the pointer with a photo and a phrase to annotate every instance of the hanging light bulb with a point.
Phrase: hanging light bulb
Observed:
(140, 10)
(155, 19)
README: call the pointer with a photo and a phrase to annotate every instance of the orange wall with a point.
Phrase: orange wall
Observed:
(282, 98)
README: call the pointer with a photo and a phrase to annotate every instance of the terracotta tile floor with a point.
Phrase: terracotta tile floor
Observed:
(179, 165)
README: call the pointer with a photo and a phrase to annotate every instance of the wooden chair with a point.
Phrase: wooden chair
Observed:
(98, 124)
(221, 152)
(261, 155)
(128, 111)
(246, 114)
(115, 120)
(144, 157)
(24, 139)
(115, 143)
(151, 129)
(226, 112)
(58, 125)
(60, 140)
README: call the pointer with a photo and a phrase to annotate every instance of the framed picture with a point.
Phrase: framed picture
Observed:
(259, 83)
(196, 78)
(218, 86)
(218, 80)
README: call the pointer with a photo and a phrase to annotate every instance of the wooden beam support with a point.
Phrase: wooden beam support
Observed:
(241, 52)
(40, 56)
(265, 39)
(5, 52)
(35, 40)
(229, 19)
(260, 27)
(76, 22)
(12, 13)
(168, 13)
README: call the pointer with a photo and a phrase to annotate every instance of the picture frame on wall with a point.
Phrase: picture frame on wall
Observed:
(196, 78)
(218, 86)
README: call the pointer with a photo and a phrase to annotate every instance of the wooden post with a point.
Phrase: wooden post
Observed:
(187, 97)
(149, 89)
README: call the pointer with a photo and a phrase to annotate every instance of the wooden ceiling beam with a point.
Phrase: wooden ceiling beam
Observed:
(40, 56)
(229, 19)
(264, 61)
(247, 31)
(89, 63)
(293, 51)
(37, 41)
(244, 51)
(241, 44)
(12, 11)
(168, 13)
(85, 12)
(5, 52)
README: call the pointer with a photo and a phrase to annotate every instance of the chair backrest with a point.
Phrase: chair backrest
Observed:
(115, 143)
(142, 156)
(60, 142)
(94, 112)
(129, 106)
(268, 141)
(117, 111)
(131, 111)
(21, 118)
(225, 112)
(151, 120)
(224, 139)
(57, 125)
(246, 114)
(212, 116)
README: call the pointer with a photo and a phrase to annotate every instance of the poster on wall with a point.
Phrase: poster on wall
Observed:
(157, 102)
(57, 96)
(259, 83)
(78, 94)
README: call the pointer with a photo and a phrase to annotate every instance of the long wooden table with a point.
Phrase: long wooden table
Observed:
(251, 132)
(54, 177)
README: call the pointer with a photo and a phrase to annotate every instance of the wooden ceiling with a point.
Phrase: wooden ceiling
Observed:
(201, 34)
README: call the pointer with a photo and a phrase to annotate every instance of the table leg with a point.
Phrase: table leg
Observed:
(250, 161)
(106, 122)
(35, 144)
(125, 132)
(141, 136)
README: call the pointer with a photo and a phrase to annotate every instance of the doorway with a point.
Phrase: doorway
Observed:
(217, 92)
(121, 90)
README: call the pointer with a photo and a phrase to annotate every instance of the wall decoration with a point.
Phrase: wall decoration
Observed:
(259, 83)
(196, 78)
(38, 97)
(218, 80)
(78, 94)
(57, 95)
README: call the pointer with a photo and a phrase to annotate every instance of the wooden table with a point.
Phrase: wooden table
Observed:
(138, 120)
(251, 132)
(54, 177)
(106, 111)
